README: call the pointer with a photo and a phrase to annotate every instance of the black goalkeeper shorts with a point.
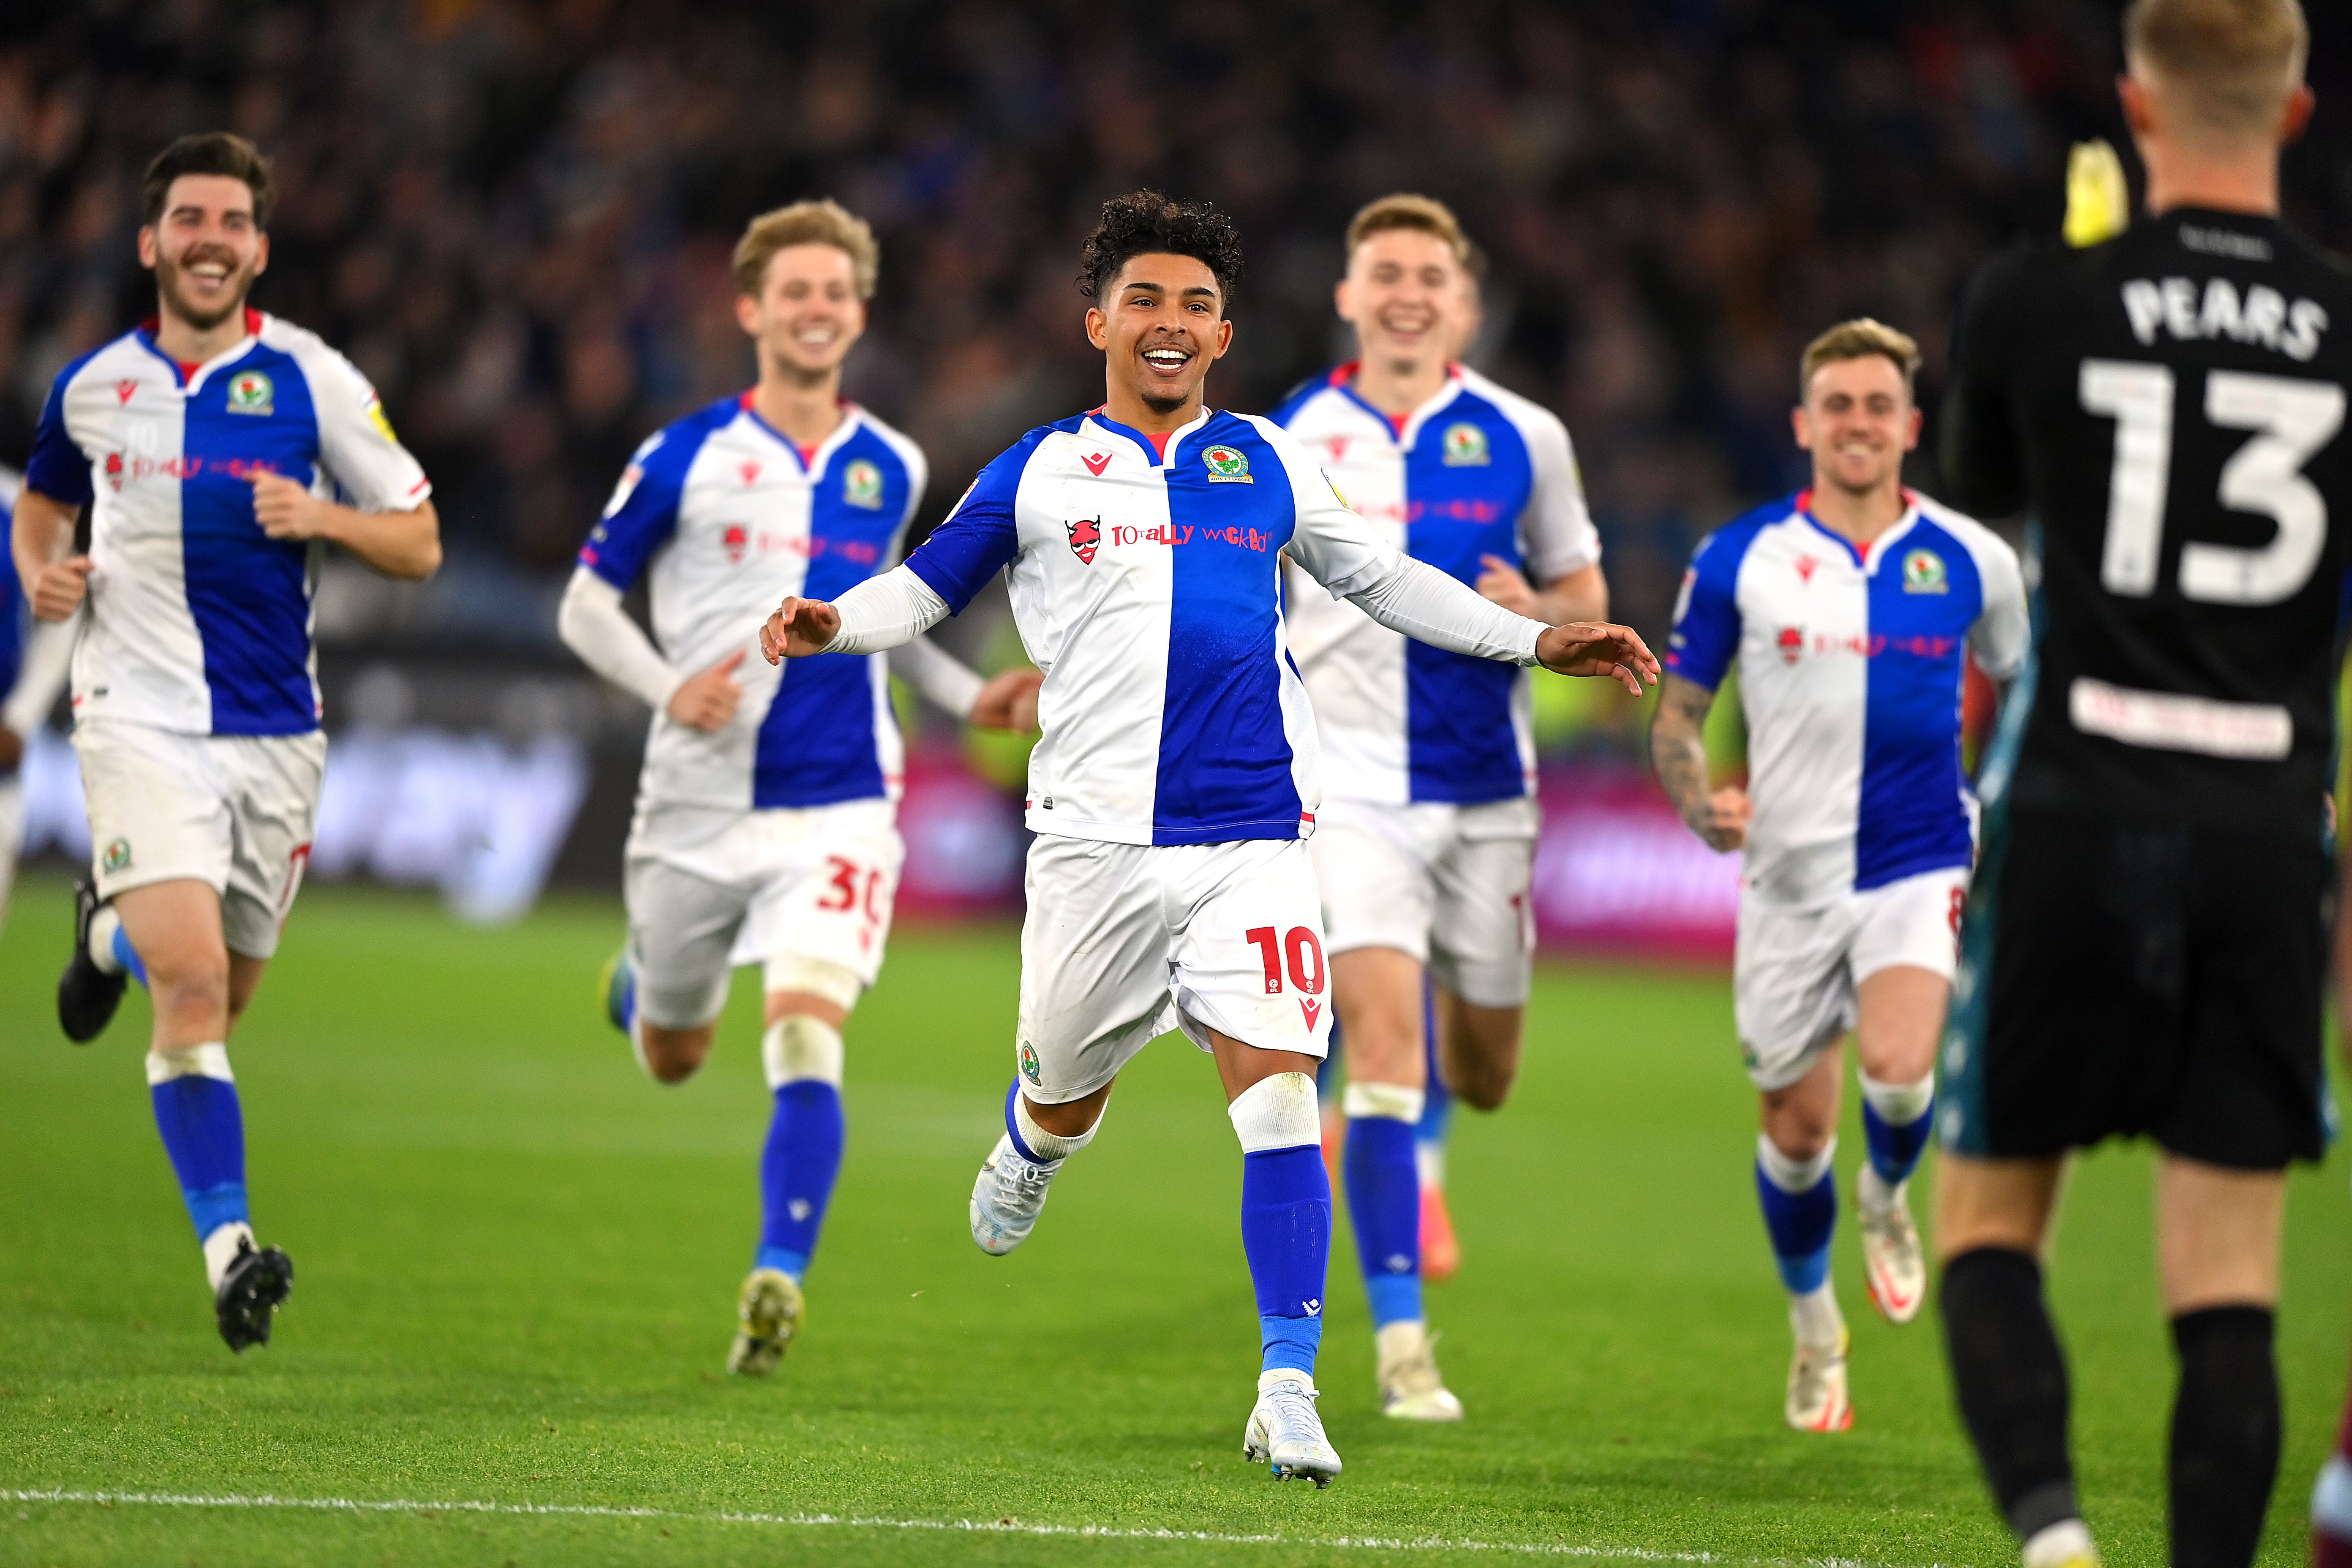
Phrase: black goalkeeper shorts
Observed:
(2119, 979)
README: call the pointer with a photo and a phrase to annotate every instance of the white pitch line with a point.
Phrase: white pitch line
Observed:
(980, 1526)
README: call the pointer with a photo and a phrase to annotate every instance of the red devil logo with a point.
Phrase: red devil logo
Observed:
(1793, 643)
(1086, 538)
(114, 469)
(736, 537)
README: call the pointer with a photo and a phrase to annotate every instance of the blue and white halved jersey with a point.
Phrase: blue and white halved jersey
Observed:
(1851, 664)
(1476, 471)
(198, 621)
(725, 516)
(1147, 589)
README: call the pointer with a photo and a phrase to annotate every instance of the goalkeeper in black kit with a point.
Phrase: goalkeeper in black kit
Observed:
(2144, 951)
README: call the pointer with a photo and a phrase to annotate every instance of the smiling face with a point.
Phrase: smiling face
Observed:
(1407, 296)
(1161, 323)
(204, 248)
(1857, 421)
(807, 314)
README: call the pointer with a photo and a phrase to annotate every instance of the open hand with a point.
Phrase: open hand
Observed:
(1598, 647)
(286, 510)
(798, 628)
(705, 700)
(1009, 701)
(58, 591)
(1722, 822)
(1504, 583)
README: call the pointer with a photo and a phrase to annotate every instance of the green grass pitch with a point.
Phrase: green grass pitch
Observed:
(517, 1263)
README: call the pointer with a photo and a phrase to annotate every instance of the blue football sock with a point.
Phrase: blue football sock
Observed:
(203, 1127)
(1896, 1121)
(1287, 1235)
(797, 1173)
(1385, 1206)
(1800, 1221)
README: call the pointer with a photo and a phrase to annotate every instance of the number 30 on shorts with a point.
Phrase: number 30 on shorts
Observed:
(1304, 949)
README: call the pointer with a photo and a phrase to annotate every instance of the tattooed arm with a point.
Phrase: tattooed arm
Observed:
(1678, 753)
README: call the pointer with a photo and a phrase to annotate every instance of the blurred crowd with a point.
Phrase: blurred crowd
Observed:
(515, 215)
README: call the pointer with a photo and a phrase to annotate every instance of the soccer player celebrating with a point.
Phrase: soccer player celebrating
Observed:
(1426, 839)
(1849, 609)
(2144, 951)
(1178, 776)
(766, 820)
(209, 444)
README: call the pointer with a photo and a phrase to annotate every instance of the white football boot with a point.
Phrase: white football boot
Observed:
(1285, 1433)
(1008, 1197)
(1817, 1399)
(1894, 1267)
(1411, 1389)
(768, 1314)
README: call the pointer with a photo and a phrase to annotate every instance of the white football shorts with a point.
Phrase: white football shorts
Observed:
(1794, 969)
(709, 889)
(231, 811)
(1125, 941)
(1447, 884)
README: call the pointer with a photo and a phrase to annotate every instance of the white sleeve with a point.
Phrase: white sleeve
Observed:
(886, 612)
(355, 440)
(1556, 535)
(2005, 627)
(938, 674)
(592, 625)
(48, 655)
(1432, 606)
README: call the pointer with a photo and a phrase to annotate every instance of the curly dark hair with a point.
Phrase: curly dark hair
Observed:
(1145, 223)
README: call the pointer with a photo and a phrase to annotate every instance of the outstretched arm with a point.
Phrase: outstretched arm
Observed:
(1427, 604)
(878, 615)
(1678, 753)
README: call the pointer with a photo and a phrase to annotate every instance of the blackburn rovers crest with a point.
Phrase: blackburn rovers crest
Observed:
(1466, 447)
(1226, 467)
(861, 485)
(1030, 1068)
(250, 392)
(1923, 572)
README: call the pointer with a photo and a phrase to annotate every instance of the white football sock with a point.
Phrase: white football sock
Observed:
(221, 1247)
(102, 927)
(1814, 1318)
(1871, 1191)
(1048, 1146)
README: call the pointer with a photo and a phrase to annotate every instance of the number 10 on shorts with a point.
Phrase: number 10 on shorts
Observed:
(1302, 947)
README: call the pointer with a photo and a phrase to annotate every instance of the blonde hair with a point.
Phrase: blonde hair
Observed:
(1405, 210)
(825, 222)
(1859, 339)
(2232, 64)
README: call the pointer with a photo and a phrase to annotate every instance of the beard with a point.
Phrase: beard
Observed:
(167, 284)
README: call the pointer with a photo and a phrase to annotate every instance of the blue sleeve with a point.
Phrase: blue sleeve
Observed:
(1706, 617)
(980, 537)
(57, 468)
(641, 516)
